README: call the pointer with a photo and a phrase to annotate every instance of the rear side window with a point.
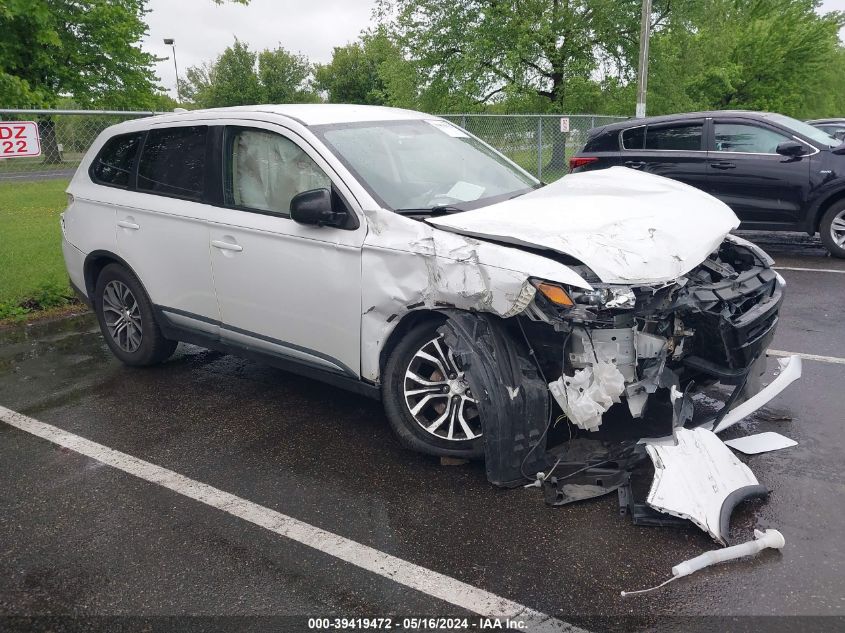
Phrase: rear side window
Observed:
(173, 162)
(676, 137)
(634, 138)
(113, 165)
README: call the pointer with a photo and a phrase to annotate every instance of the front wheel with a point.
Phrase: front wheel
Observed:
(832, 229)
(427, 398)
(127, 320)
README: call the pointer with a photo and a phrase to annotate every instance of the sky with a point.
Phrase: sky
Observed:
(203, 29)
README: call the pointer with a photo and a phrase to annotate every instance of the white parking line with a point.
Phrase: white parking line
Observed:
(822, 359)
(408, 574)
(811, 270)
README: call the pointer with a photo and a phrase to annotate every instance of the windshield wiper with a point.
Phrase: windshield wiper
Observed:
(437, 209)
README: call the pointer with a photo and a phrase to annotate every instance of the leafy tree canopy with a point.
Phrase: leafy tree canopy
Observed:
(240, 76)
(581, 55)
(362, 72)
(87, 49)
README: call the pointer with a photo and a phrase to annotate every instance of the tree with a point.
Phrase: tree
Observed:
(235, 80)
(285, 77)
(541, 51)
(777, 55)
(360, 72)
(492, 48)
(88, 49)
(240, 76)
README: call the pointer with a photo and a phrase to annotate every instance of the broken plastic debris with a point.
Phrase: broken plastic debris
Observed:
(790, 371)
(760, 443)
(762, 540)
(585, 396)
(698, 478)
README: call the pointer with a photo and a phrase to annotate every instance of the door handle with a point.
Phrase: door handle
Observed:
(226, 246)
(126, 224)
(723, 165)
(635, 164)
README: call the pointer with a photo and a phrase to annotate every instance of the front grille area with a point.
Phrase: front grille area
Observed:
(735, 319)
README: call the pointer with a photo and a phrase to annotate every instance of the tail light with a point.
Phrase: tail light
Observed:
(581, 161)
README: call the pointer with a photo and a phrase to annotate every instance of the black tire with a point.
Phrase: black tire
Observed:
(147, 345)
(826, 229)
(410, 432)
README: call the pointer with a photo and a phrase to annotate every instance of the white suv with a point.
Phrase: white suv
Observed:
(394, 253)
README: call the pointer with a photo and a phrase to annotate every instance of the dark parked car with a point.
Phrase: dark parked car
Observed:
(775, 172)
(834, 127)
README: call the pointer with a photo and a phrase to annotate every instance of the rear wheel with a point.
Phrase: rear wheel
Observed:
(127, 320)
(832, 229)
(427, 399)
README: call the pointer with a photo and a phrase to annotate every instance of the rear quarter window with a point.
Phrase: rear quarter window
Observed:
(634, 138)
(603, 142)
(172, 162)
(114, 164)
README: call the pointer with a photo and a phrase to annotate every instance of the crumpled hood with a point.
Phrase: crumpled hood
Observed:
(629, 227)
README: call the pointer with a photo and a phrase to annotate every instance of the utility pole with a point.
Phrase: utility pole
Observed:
(642, 73)
(169, 41)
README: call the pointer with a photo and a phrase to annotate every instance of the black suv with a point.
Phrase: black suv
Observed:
(775, 172)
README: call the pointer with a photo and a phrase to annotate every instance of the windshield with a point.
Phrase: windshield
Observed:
(419, 165)
(805, 129)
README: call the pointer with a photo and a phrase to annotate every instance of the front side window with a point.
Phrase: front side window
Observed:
(264, 171)
(173, 162)
(738, 137)
(113, 165)
(677, 137)
(418, 165)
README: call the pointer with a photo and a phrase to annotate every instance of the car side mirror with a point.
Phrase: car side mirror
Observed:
(793, 149)
(317, 207)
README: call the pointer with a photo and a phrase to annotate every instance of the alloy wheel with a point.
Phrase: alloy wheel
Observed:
(837, 229)
(122, 316)
(437, 394)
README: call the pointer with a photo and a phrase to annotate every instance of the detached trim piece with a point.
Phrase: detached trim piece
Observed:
(790, 371)
(697, 477)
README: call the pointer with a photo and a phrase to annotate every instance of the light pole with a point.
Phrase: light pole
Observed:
(169, 41)
(642, 74)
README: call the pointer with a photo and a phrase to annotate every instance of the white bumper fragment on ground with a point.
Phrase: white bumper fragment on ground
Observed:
(697, 477)
(760, 443)
(790, 371)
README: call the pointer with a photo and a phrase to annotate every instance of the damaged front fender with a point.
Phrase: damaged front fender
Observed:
(410, 265)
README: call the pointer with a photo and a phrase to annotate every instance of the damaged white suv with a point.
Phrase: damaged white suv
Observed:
(393, 253)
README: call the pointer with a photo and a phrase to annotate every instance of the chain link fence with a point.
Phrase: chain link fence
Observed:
(65, 136)
(541, 144)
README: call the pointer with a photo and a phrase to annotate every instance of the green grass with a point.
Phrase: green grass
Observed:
(527, 159)
(32, 271)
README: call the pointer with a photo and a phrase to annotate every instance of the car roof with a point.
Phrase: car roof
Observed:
(842, 121)
(683, 116)
(305, 113)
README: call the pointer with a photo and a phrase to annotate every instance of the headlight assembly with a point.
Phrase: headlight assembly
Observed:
(609, 297)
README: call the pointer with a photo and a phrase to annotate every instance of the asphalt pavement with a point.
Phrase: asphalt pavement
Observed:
(80, 539)
(31, 176)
